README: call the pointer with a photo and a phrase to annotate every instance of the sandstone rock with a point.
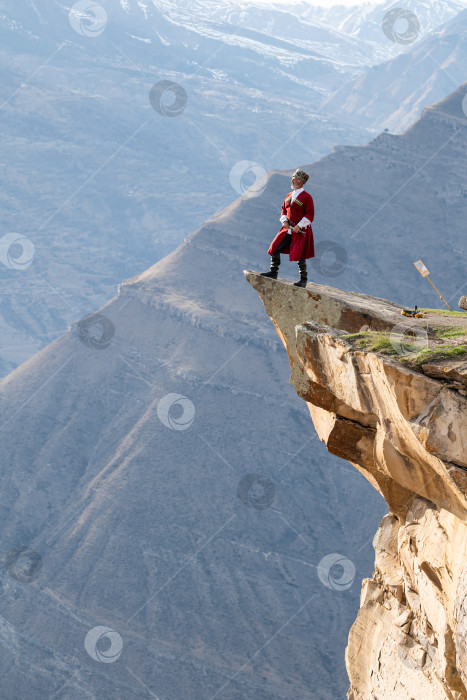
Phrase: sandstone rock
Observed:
(404, 618)
(406, 431)
(448, 369)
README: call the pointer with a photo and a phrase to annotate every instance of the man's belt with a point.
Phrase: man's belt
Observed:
(290, 224)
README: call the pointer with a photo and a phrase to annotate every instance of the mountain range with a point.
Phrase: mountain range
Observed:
(166, 506)
(102, 183)
(391, 95)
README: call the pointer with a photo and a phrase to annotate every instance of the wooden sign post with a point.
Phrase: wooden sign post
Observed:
(424, 273)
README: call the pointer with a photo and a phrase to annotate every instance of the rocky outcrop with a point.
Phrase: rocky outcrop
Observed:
(404, 428)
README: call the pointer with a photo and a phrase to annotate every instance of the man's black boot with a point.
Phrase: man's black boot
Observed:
(274, 268)
(303, 274)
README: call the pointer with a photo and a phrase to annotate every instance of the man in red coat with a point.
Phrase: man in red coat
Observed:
(296, 235)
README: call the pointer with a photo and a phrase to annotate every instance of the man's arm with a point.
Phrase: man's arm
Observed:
(308, 211)
(283, 213)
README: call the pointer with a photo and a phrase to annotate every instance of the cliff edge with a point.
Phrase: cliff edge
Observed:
(389, 394)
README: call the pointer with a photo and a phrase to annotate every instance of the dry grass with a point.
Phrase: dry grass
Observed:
(407, 348)
(446, 312)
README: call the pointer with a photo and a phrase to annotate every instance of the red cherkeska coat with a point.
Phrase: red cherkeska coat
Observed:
(302, 244)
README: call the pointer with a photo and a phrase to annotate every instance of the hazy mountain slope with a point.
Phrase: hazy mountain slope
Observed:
(140, 527)
(362, 22)
(365, 20)
(342, 35)
(391, 95)
(100, 182)
(382, 206)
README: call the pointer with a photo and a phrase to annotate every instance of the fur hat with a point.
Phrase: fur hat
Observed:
(301, 175)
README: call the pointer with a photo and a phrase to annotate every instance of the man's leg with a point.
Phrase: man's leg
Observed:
(274, 267)
(303, 273)
(276, 258)
(283, 244)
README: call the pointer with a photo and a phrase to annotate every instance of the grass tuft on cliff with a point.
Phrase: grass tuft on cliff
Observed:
(450, 332)
(446, 312)
(443, 352)
(373, 341)
(412, 350)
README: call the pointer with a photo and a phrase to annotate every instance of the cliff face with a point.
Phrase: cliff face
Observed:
(403, 426)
